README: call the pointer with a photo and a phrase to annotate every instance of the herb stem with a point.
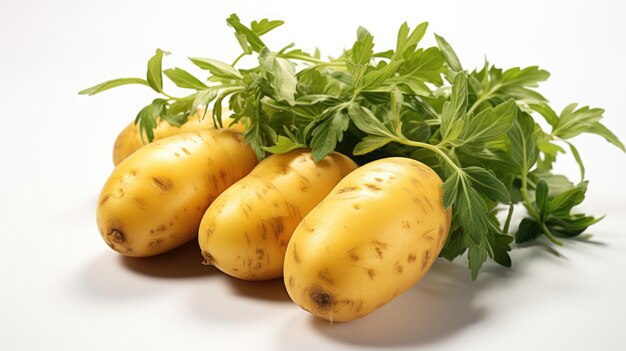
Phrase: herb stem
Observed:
(238, 58)
(483, 98)
(434, 149)
(533, 212)
(507, 222)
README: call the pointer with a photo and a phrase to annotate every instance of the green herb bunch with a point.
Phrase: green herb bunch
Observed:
(476, 128)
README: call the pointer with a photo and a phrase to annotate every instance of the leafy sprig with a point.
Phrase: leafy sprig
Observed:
(475, 128)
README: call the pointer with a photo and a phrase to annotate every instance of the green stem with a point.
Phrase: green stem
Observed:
(507, 223)
(238, 58)
(533, 212)
(434, 149)
(483, 98)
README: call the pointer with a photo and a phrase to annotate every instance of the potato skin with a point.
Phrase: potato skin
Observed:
(129, 139)
(154, 200)
(245, 232)
(374, 236)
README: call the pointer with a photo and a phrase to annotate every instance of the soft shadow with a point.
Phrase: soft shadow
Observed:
(183, 262)
(440, 305)
(106, 277)
(269, 290)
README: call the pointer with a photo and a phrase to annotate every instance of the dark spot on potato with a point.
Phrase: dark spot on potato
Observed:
(161, 228)
(117, 236)
(411, 258)
(296, 257)
(292, 281)
(378, 179)
(371, 273)
(171, 224)
(186, 151)
(318, 174)
(260, 253)
(325, 276)
(406, 224)
(162, 183)
(104, 199)
(416, 200)
(223, 175)
(236, 269)
(441, 232)
(133, 173)
(373, 187)
(176, 154)
(210, 229)
(141, 203)
(277, 226)
(321, 299)
(275, 204)
(428, 203)
(347, 189)
(356, 207)
(425, 259)
(399, 267)
(155, 243)
(208, 259)
(415, 181)
(354, 257)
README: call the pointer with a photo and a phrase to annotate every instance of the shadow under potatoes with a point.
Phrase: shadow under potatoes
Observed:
(269, 290)
(439, 306)
(183, 262)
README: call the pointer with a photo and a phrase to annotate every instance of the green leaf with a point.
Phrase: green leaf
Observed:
(365, 120)
(528, 230)
(598, 129)
(154, 74)
(362, 50)
(376, 78)
(455, 245)
(487, 183)
(562, 204)
(369, 144)
(477, 255)
(283, 75)
(184, 79)
(523, 142)
(573, 122)
(471, 209)
(147, 119)
(327, 134)
(255, 43)
(264, 26)
(579, 160)
(541, 198)
(203, 98)
(424, 65)
(451, 59)
(571, 225)
(547, 112)
(217, 68)
(490, 123)
(112, 84)
(456, 107)
(450, 189)
(408, 41)
(283, 145)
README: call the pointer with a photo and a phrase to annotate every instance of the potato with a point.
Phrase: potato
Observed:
(373, 237)
(245, 232)
(129, 139)
(154, 200)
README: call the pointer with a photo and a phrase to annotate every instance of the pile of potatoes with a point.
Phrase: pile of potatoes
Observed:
(346, 239)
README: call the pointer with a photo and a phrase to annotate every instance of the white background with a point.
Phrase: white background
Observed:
(62, 288)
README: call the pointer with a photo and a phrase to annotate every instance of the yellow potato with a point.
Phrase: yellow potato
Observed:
(374, 236)
(245, 231)
(154, 200)
(129, 140)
